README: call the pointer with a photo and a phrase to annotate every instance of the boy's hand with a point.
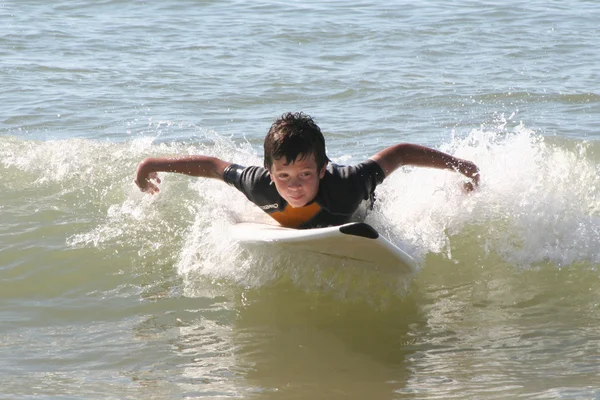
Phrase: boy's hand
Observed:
(146, 181)
(470, 170)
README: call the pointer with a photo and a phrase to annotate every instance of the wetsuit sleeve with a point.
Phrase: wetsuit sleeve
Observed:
(360, 180)
(254, 182)
(346, 187)
(232, 175)
(370, 174)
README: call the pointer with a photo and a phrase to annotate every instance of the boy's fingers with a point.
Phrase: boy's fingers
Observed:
(154, 176)
(146, 184)
(471, 170)
(469, 187)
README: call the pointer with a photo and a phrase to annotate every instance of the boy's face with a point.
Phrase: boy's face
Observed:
(297, 181)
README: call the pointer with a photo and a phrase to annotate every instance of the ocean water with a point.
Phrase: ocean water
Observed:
(106, 292)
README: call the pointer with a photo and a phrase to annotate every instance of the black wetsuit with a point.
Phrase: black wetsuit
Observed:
(340, 194)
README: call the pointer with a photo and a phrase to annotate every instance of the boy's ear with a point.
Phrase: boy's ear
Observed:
(322, 171)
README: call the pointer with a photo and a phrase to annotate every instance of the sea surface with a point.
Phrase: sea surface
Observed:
(110, 293)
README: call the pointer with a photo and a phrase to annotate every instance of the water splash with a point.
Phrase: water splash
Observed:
(538, 203)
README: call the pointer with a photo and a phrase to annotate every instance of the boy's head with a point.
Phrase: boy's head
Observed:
(292, 137)
(295, 157)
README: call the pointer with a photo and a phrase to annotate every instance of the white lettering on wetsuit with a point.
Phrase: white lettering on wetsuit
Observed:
(270, 206)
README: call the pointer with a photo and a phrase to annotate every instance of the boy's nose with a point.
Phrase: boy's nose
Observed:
(294, 183)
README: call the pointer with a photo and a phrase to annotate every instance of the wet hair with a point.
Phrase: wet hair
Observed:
(295, 136)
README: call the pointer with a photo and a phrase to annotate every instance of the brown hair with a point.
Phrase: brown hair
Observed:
(295, 135)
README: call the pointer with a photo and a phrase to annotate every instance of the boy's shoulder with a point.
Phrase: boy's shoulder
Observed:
(351, 180)
(365, 169)
(234, 172)
(344, 187)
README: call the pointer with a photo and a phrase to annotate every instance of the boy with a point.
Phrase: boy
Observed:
(298, 186)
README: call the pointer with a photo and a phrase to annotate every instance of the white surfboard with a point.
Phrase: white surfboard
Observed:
(356, 241)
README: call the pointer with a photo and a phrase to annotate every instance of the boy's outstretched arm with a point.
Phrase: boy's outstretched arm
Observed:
(146, 176)
(401, 154)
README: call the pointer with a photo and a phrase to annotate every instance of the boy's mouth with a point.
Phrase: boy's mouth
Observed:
(296, 200)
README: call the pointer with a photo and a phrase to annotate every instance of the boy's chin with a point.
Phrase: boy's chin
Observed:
(297, 203)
